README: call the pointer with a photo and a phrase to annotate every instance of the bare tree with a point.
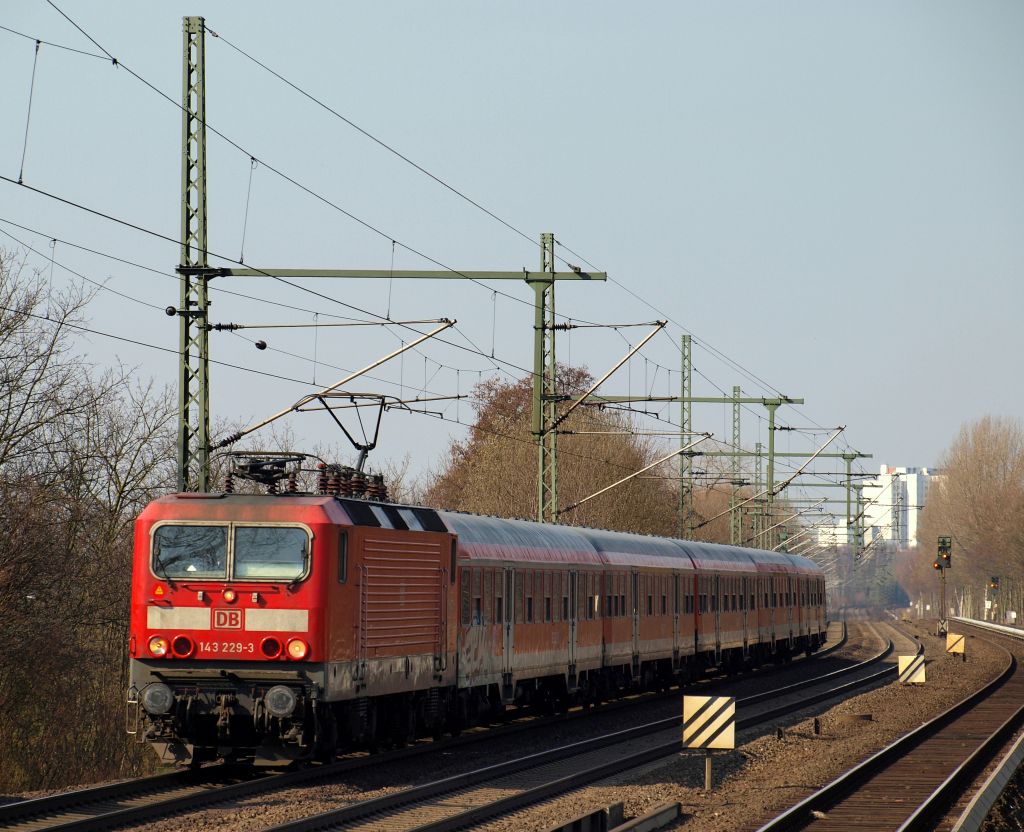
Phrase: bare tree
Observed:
(978, 499)
(80, 454)
(494, 470)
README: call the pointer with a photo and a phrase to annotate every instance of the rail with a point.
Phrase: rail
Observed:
(922, 817)
(408, 798)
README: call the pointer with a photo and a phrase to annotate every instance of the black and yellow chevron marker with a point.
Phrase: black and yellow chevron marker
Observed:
(709, 721)
(954, 643)
(912, 670)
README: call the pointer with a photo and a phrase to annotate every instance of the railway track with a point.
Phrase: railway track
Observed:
(911, 784)
(468, 799)
(145, 799)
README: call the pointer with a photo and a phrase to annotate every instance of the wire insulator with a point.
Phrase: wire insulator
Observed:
(229, 483)
(358, 481)
(293, 482)
(346, 482)
(321, 479)
(334, 485)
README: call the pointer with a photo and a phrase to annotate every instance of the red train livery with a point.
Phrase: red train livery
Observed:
(282, 627)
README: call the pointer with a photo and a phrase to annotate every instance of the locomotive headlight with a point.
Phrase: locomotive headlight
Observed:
(158, 646)
(157, 698)
(281, 701)
(297, 649)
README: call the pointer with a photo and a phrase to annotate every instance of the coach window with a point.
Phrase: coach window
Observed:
(342, 558)
(478, 601)
(466, 586)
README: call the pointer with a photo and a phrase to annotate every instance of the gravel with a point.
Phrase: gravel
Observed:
(766, 775)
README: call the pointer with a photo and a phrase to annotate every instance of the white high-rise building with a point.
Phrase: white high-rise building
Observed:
(892, 505)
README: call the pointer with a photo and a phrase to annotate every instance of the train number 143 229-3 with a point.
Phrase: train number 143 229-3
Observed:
(226, 647)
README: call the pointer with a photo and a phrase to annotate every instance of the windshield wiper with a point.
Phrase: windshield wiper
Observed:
(294, 582)
(159, 561)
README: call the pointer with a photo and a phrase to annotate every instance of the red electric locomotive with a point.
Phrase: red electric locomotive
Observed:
(289, 626)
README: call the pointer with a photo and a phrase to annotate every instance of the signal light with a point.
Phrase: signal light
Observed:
(229, 596)
(270, 647)
(297, 649)
(158, 646)
(182, 647)
(937, 565)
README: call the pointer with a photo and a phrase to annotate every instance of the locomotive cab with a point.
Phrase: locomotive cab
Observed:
(225, 658)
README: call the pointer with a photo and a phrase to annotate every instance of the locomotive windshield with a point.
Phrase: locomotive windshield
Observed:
(262, 553)
(270, 552)
(191, 552)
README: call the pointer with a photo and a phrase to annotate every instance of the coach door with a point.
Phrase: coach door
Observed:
(745, 611)
(677, 601)
(716, 604)
(791, 598)
(571, 614)
(508, 642)
(636, 616)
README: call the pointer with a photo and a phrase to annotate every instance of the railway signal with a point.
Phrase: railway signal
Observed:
(993, 583)
(942, 562)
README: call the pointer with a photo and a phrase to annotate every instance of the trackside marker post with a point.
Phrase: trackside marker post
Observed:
(709, 722)
(911, 670)
(955, 643)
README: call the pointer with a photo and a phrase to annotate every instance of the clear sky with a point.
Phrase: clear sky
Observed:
(830, 194)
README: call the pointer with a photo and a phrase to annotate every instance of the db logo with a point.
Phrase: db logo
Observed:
(227, 619)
